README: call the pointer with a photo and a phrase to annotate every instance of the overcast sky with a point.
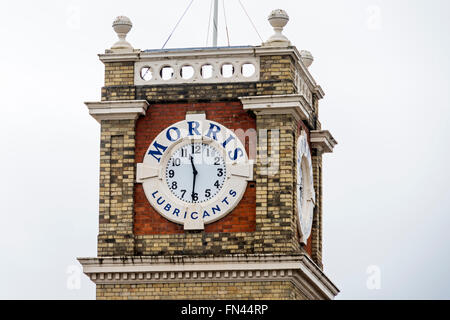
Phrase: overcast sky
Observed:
(384, 66)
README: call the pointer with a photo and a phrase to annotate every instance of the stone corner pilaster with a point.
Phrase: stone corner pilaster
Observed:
(117, 173)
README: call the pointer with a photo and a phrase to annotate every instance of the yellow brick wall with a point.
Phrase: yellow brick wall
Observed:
(316, 231)
(276, 290)
(119, 73)
(116, 188)
(275, 211)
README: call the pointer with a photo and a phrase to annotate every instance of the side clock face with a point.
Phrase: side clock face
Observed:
(195, 172)
(305, 188)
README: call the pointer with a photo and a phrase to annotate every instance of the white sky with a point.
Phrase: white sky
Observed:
(384, 67)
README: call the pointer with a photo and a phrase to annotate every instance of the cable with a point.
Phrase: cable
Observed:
(209, 22)
(177, 24)
(226, 24)
(251, 21)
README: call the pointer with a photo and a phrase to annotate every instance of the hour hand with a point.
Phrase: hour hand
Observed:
(193, 166)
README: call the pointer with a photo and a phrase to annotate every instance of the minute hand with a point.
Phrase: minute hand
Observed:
(195, 172)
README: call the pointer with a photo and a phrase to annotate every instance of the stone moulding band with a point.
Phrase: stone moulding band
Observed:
(248, 268)
(323, 141)
(117, 110)
(294, 104)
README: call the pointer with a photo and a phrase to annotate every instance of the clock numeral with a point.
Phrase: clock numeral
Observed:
(195, 196)
(197, 149)
(216, 161)
(208, 193)
(183, 193)
(219, 172)
(184, 153)
(176, 162)
(174, 185)
(171, 173)
(216, 184)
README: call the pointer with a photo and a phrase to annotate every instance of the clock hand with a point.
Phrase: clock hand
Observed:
(193, 167)
(195, 176)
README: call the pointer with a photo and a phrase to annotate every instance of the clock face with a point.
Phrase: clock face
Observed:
(196, 172)
(305, 188)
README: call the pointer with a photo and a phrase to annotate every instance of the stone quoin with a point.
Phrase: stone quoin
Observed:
(210, 172)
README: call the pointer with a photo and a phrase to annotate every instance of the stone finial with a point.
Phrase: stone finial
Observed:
(307, 58)
(278, 19)
(122, 25)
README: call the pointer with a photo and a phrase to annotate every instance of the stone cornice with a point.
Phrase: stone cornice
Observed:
(318, 91)
(294, 104)
(323, 141)
(298, 269)
(117, 110)
(118, 56)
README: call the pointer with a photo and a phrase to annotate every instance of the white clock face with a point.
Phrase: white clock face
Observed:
(196, 172)
(305, 188)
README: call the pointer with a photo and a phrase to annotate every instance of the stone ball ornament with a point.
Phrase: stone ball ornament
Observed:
(278, 19)
(307, 58)
(122, 25)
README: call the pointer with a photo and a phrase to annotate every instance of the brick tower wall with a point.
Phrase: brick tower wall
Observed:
(265, 221)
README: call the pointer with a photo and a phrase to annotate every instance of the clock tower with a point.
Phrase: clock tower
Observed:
(210, 173)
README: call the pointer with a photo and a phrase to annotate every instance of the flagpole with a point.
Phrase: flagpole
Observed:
(215, 22)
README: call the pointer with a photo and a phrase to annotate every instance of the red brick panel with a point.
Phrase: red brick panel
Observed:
(159, 116)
